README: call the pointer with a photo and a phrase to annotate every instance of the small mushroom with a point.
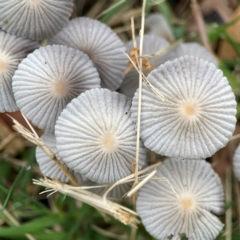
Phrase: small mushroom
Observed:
(51, 170)
(196, 50)
(151, 45)
(12, 50)
(181, 199)
(236, 163)
(197, 116)
(96, 136)
(34, 19)
(156, 24)
(48, 79)
(102, 46)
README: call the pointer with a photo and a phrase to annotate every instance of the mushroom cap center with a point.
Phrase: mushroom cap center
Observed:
(189, 109)
(3, 65)
(188, 203)
(60, 88)
(109, 142)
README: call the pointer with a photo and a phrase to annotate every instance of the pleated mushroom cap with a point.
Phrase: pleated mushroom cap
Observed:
(96, 136)
(101, 44)
(157, 25)
(197, 116)
(236, 163)
(196, 50)
(48, 166)
(12, 50)
(184, 204)
(151, 44)
(34, 19)
(48, 79)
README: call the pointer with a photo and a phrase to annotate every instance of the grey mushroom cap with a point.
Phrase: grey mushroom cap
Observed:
(182, 201)
(236, 162)
(196, 50)
(48, 167)
(96, 136)
(12, 50)
(34, 19)
(157, 25)
(151, 45)
(48, 79)
(101, 44)
(197, 117)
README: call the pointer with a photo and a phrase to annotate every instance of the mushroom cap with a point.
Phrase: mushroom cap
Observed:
(34, 19)
(48, 79)
(12, 50)
(196, 50)
(151, 44)
(157, 25)
(236, 162)
(197, 116)
(51, 170)
(48, 167)
(185, 206)
(96, 136)
(101, 44)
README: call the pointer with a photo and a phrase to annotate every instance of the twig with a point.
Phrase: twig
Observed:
(200, 23)
(237, 193)
(33, 137)
(228, 201)
(235, 137)
(121, 213)
(15, 222)
(7, 140)
(139, 92)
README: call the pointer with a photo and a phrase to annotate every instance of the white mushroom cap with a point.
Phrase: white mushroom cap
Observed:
(34, 19)
(12, 50)
(48, 166)
(48, 79)
(101, 44)
(184, 207)
(96, 136)
(197, 116)
(196, 50)
(236, 163)
(151, 44)
(157, 25)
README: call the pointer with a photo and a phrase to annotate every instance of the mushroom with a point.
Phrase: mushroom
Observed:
(101, 44)
(96, 136)
(151, 45)
(51, 170)
(34, 19)
(236, 163)
(197, 116)
(12, 50)
(48, 79)
(181, 199)
(196, 50)
(156, 24)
